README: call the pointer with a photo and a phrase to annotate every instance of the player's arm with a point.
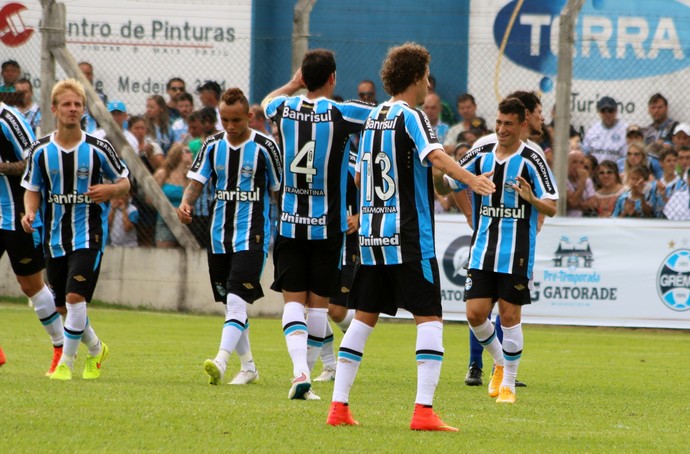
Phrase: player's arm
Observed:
(191, 194)
(544, 206)
(100, 193)
(32, 200)
(480, 184)
(290, 88)
(12, 168)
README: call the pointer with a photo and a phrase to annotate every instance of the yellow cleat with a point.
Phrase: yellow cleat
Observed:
(505, 396)
(92, 368)
(62, 372)
(496, 379)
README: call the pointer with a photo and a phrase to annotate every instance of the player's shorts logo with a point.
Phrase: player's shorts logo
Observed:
(455, 260)
(673, 281)
(468, 284)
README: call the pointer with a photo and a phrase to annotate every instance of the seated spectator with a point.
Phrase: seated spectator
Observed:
(11, 72)
(158, 122)
(27, 106)
(172, 178)
(447, 116)
(661, 128)
(678, 206)
(606, 138)
(632, 203)
(122, 221)
(580, 188)
(662, 189)
(636, 156)
(610, 188)
(683, 160)
(636, 134)
(185, 107)
(432, 109)
(366, 91)
(258, 121)
(467, 107)
(681, 136)
(209, 122)
(590, 165)
(461, 149)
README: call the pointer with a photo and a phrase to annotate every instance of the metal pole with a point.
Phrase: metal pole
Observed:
(566, 40)
(300, 32)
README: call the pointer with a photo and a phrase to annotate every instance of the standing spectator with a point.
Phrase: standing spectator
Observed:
(27, 106)
(180, 127)
(610, 188)
(209, 121)
(258, 121)
(314, 130)
(681, 136)
(240, 228)
(580, 187)
(174, 87)
(632, 203)
(122, 221)
(149, 150)
(606, 138)
(636, 134)
(209, 95)
(661, 128)
(118, 111)
(74, 208)
(366, 91)
(447, 116)
(467, 107)
(662, 189)
(683, 160)
(10, 75)
(158, 122)
(678, 206)
(88, 122)
(26, 256)
(432, 109)
(172, 178)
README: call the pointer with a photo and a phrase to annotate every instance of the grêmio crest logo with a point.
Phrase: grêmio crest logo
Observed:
(455, 260)
(673, 280)
(614, 40)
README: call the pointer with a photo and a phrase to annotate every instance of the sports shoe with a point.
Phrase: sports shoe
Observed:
(520, 384)
(57, 354)
(310, 395)
(300, 385)
(3, 359)
(215, 371)
(496, 379)
(339, 415)
(245, 377)
(92, 368)
(474, 376)
(328, 374)
(62, 372)
(505, 396)
(424, 418)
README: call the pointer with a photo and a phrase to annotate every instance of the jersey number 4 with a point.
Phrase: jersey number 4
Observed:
(384, 185)
(304, 162)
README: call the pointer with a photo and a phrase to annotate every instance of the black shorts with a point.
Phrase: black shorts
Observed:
(512, 288)
(413, 286)
(308, 265)
(24, 250)
(347, 274)
(238, 273)
(76, 272)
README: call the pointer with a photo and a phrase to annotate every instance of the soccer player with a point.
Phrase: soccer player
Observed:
(314, 131)
(65, 178)
(396, 236)
(243, 166)
(503, 242)
(26, 255)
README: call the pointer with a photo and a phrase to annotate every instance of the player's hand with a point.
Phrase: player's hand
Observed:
(482, 184)
(524, 189)
(297, 79)
(28, 221)
(352, 224)
(184, 213)
(100, 193)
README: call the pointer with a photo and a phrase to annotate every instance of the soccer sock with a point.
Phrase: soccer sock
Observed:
(344, 324)
(513, 342)
(75, 323)
(349, 358)
(486, 335)
(244, 350)
(235, 315)
(316, 328)
(295, 331)
(476, 351)
(89, 338)
(327, 352)
(429, 359)
(44, 306)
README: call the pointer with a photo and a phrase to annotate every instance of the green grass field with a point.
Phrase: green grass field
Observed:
(589, 390)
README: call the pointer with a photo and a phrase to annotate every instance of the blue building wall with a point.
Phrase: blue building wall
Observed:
(360, 33)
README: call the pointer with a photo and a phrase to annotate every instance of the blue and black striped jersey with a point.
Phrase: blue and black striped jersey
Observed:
(505, 225)
(241, 178)
(72, 221)
(396, 189)
(16, 138)
(314, 134)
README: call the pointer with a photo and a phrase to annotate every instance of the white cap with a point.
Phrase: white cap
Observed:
(682, 127)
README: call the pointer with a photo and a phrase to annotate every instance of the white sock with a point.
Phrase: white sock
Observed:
(513, 342)
(429, 359)
(44, 306)
(344, 324)
(244, 350)
(486, 335)
(75, 323)
(349, 358)
(235, 315)
(317, 319)
(91, 340)
(295, 331)
(327, 352)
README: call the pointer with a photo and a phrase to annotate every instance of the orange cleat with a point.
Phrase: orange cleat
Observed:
(57, 354)
(424, 418)
(3, 360)
(339, 415)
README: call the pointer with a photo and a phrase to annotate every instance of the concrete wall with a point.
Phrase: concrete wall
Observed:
(160, 279)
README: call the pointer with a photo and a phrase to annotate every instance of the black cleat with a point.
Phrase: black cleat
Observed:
(519, 384)
(474, 376)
